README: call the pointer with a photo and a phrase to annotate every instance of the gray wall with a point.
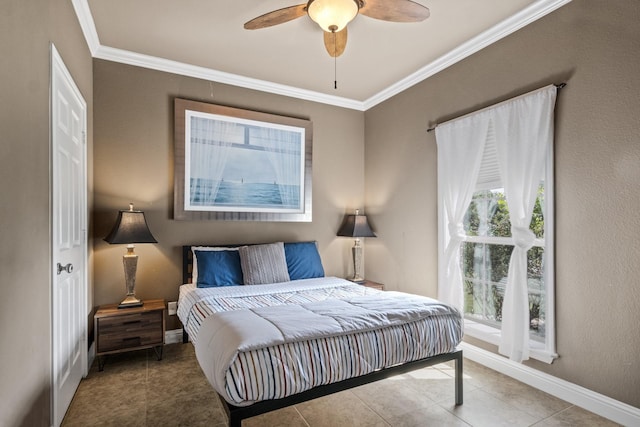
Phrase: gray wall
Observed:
(134, 163)
(26, 29)
(593, 46)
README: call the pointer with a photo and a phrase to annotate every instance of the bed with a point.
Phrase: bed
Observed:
(270, 330)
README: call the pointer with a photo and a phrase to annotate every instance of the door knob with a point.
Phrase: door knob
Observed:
(68, 268)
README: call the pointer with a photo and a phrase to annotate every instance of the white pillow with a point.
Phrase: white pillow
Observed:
(194, 267)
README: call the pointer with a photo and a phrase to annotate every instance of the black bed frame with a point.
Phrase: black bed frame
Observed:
(238, 413)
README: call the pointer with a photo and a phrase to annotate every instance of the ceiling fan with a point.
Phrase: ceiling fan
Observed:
(334, 15)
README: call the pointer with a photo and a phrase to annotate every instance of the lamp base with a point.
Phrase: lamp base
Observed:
(130, 262)
(357, 262)
(130, 301)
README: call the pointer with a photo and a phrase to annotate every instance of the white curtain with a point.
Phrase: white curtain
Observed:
(460, 147)
(284, 151)
(524, 134)
(210, 144)
(523, 129)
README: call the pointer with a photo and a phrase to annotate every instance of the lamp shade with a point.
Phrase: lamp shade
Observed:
(130, 227)
(332, 15)
(355, 226)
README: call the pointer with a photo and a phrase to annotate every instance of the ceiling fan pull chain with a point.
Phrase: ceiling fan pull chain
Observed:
(335, 62)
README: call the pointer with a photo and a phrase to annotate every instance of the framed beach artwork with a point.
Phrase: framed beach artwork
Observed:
(235, 164)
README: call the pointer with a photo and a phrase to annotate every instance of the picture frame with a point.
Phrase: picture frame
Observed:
(241, 165)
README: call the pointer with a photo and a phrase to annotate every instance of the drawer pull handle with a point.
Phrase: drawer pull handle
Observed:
(131, 322)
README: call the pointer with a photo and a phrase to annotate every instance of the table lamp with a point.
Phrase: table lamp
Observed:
(130, 227)
(356, 226)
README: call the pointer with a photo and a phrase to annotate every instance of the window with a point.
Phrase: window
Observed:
(495, 184)
(485, 254)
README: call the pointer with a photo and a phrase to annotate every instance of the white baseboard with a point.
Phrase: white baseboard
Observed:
(597, 403)
(173, 336)
(91, 355)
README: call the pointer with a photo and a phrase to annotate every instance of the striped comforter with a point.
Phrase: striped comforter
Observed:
(270, 341)
(196, 304)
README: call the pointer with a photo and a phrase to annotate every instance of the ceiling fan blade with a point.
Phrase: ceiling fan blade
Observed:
(395, 10)
(276, 17)
(335, 43)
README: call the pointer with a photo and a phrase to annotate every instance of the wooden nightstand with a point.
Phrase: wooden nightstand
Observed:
(371, 284)
(127, 329)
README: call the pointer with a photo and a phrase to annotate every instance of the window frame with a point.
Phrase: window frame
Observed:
(542, 351)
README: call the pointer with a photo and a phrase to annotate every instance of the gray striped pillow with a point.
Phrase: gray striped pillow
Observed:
(263, 264)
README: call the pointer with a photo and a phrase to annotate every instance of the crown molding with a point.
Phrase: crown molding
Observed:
(510, 25)
(175, 67)
(526, 16)
(88, 26)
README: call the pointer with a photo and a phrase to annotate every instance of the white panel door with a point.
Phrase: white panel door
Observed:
(69, 236)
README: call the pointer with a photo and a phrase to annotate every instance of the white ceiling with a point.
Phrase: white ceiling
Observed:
(206, 39)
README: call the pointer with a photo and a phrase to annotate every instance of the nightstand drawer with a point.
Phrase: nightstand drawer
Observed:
(129, 331)
(130, 340)
(129, 322)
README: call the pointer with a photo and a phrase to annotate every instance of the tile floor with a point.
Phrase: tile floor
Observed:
(137, 390)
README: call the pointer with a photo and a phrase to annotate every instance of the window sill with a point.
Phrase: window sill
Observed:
(491, 335)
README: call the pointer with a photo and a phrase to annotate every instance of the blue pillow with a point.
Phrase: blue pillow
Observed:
(218, 268)
(303, 260)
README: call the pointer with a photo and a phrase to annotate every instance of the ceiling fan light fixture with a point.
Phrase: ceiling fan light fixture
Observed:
(332, 15)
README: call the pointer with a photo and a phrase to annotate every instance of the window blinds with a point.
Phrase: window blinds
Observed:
(489, 175)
